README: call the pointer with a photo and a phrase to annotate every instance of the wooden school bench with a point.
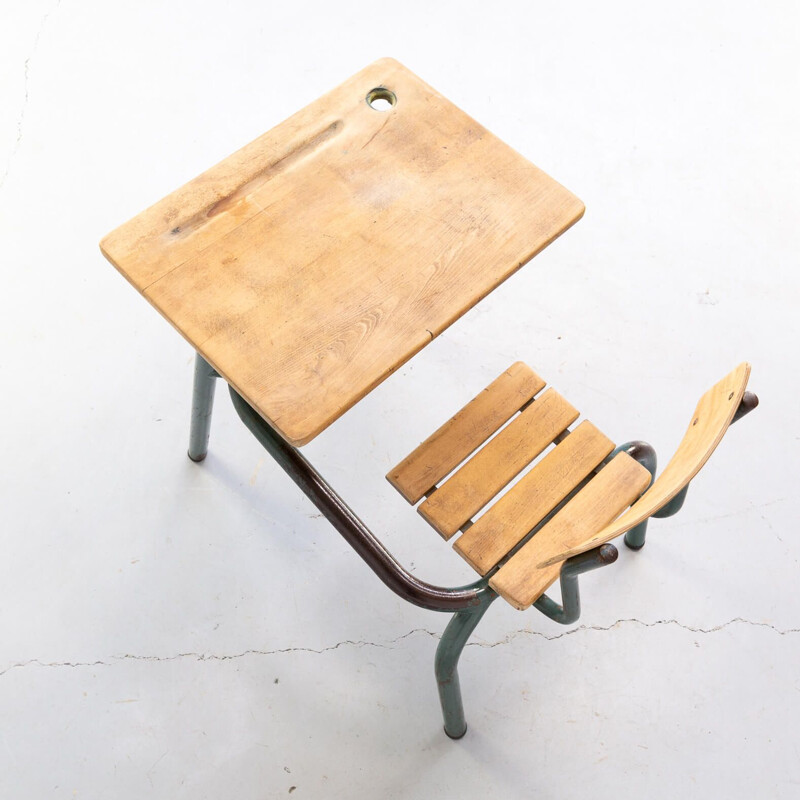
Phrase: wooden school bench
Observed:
(308, 266)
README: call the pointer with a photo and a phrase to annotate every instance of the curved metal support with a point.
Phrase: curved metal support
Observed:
(468, 602)
(464, 622)
(646, 456)
(355, 532)
(202, 405)
(455, 636)
(570, 609)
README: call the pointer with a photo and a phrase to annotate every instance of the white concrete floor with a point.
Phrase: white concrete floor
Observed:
(172, 630)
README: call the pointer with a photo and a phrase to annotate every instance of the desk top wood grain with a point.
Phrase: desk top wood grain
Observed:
(316, 260)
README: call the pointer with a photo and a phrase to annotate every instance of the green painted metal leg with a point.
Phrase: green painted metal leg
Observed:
(464, 622)
(570, 609)
(455, 636)
(646, 456)
(635, 537)
(202, 405)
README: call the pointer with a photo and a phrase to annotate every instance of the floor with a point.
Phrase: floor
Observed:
(175, 630)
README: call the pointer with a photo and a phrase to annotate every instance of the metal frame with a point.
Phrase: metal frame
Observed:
(467, 603)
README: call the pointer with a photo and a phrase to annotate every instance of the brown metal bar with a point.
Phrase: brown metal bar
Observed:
(354, 531)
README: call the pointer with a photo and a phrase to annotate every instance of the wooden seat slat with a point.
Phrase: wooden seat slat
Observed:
(617, 485)
(498, 463)
(463, 433)
(522, 508)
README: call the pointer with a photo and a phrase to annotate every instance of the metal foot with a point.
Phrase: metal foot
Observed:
(202, 405)
(632, 546)
(460, 736)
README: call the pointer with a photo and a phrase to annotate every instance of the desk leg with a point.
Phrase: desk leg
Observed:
(205, 377)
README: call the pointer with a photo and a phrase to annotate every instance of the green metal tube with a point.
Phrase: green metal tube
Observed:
(202, 405)
(570, 609)
(464, 622)
(455, 636)
(646, 456)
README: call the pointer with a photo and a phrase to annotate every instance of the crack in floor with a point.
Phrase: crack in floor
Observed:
(21, 117)
(632, 620)
(389, 644)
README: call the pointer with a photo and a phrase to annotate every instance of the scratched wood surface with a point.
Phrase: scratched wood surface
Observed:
(313, 262)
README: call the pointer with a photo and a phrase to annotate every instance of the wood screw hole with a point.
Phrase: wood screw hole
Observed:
(381, 99)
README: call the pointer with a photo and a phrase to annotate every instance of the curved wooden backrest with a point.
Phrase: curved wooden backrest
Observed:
(712, 417)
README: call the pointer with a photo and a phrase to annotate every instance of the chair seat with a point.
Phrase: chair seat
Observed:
(513, 424)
